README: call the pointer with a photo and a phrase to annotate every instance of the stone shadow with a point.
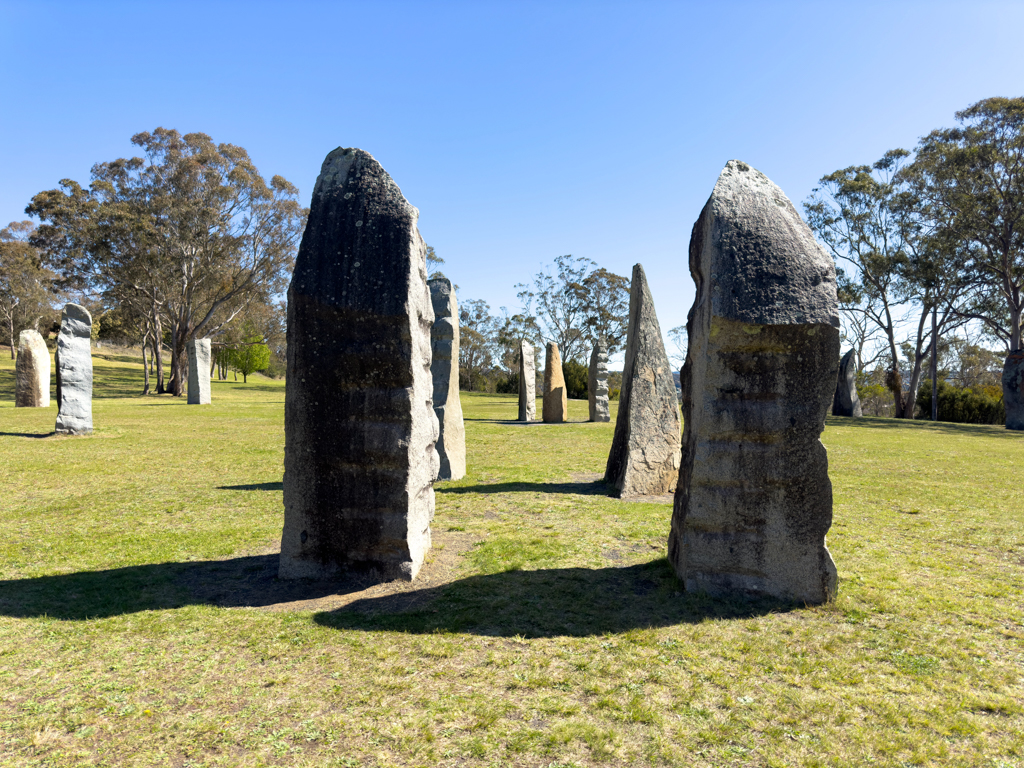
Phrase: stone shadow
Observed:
(582, 488)
(940, 427)
(28, 434)
(274, 486)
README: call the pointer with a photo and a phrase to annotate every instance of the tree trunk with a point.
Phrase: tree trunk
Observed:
(11, 325)
(245, 378)
(145, 368)
(158, 340)
(935, 365)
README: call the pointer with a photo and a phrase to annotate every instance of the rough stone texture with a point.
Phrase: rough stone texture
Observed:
(199, 362)
(754, 500)
(597, 384)
(527, 383)
(32, 372)
(644, 457)
(846, 401)
(444, 367)
(360, 426)
(74, 371)
(1013, 389)
(556, 399)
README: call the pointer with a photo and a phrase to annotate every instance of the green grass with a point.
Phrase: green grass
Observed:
(140, 624)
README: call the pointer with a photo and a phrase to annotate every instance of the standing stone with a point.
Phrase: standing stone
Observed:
(754, 500)
(1013, 389)
(74, 371)
(556, 402)
(444, 367)
(32, 372)
(644, 458)
(360, 427)
(527, 383)
(597, 384)
(846, 401)
(198, 371)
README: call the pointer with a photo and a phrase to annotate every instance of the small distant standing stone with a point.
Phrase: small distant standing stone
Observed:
(597, 384)
(360, 426)
(644, 457)
(754, 500)
(527, 382)
(32, 372)
(199, 371)
(846, 401)
(1013, 389)
(74, 371)
(556, 400)
(444, 367)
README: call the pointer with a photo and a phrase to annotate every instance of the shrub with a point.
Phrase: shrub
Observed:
(962, 405)
(508, 384)
(575, 379)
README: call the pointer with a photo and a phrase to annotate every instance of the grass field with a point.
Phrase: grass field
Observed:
(141, 624)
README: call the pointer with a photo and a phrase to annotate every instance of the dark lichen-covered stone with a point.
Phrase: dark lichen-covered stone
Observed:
(74, 371)
(597, 384)
(644, 457)
(846, 401)
(359, 420)
(444, 367)
(556, 398)
(527, 382)
(754, 500)
(1013, 389)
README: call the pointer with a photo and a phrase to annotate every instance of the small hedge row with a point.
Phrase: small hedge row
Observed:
(963, 405)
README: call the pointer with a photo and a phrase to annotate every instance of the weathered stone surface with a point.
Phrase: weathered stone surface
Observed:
(444, 367)
(74, 371)
(1013, 389)
(754, 500)
(199, 362)
(32, 372)
(644, 458)
(846, 401)
(556, 399)
(360, 426)
(597, 384)
(527, 382)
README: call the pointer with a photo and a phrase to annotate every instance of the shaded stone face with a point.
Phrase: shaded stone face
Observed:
(527, 383)
(360, 426)
(1013, 389)
(644, 457)
(199, 361)
(74, 371)
(846, 401)
(556, 399)
(597, 384)
(754, 500)
(444, 368)
(32, 372)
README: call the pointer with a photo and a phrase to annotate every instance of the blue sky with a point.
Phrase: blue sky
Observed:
(521, 130)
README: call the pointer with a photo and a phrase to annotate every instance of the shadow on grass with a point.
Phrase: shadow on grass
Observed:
(542, 603)
(585, 488)
(517, 423)
(277, 486)
(27, 434)
(941, 427)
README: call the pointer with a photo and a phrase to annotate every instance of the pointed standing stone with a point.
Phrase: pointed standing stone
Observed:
(846, 401)
(597, 384)
(754, 500)
(74, 371)
(198, 371)
(444, 367)
(527, 383)
(360, 426)
(644, 458)
(32, 372)
(556, 400)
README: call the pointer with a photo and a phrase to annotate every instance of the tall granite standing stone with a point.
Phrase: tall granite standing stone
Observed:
(597, 384)
(444, 367)
(360, 426)
(198, 371)
(1013, 389)
(556, 399)
(527, 382)
(754, 500)
(32, 372)
(846, 401)
(74, 371)
(644, 457)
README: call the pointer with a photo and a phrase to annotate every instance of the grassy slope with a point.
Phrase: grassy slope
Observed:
(563, 640)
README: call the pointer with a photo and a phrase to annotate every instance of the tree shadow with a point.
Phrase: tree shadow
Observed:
(582, 488)
(542, 603)
(274, 486)
(941, 427)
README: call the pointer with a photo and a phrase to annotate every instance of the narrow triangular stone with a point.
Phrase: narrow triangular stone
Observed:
(444, 368)
(527, 382)
(754, 500)
(846, 401)
(74, 371)
(360, 426)
(644, 458)
(32, 372)
(556, 399)
(597, 384)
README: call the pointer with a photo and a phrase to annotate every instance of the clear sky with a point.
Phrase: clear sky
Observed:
(521, 130)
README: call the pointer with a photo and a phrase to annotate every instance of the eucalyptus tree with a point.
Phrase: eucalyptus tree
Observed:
(25, 284)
